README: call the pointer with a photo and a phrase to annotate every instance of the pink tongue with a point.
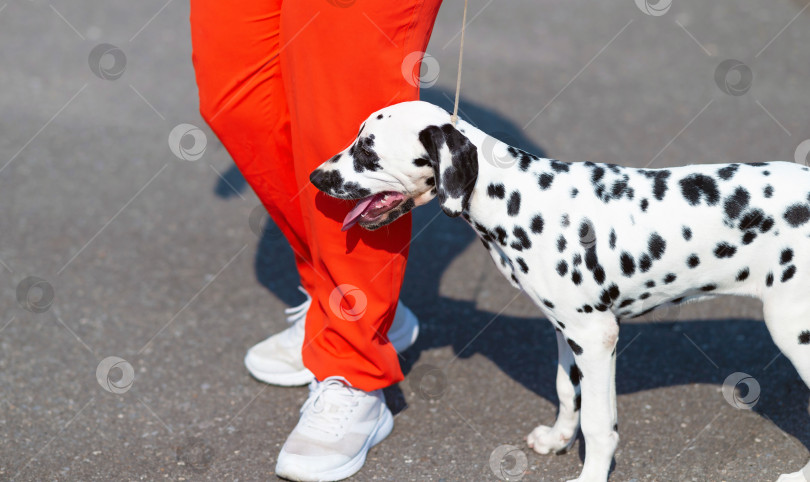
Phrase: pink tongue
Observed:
(351, 218)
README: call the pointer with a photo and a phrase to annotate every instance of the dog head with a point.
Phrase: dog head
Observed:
(404, 156)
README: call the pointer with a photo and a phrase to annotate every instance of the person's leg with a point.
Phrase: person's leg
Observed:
(236, 62)
(340, 64)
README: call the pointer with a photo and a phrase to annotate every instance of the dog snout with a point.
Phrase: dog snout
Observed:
(330, 182)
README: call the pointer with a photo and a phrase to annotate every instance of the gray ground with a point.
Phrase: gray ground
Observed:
(152, 259)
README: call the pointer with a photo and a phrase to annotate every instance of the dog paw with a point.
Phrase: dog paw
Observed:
(545, 440)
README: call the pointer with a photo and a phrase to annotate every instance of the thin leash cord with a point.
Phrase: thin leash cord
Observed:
(454, 117)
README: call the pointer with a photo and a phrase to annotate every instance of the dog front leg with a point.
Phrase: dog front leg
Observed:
(593, 343)
(557, 439)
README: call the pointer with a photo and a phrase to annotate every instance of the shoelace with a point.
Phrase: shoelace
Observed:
(329, 406)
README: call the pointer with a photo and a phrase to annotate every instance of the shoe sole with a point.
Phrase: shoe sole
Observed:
(381, 431)
(292, 379)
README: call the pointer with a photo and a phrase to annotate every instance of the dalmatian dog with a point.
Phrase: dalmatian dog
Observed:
(593, 243)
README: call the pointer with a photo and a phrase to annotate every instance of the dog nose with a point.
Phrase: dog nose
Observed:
(316, 177)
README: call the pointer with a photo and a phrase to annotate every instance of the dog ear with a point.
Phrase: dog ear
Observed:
(455, 166)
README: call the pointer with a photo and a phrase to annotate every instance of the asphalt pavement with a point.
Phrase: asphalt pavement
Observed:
(135, 268)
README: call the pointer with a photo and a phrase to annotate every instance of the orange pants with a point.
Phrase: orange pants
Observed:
(286, 85)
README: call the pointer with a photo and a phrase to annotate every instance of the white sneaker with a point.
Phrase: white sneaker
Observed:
(277, 360)
(338, 425)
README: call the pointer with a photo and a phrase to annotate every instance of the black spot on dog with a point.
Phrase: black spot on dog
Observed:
(769, 280)
(559, 166)
(364, 156)
(577, 260)
(767, 191)
(627, 302)
(650, 284)
(562, 268)
(742, 275)
(677, 300)
(692, 261)
(575, 374)
(586, 309)
(548, 304)
(562, 325)
(379, 116)
(513, 206)
(788, 273)
(695, 187)
(561, 243)
(544, 180)
(576, 277)
(496, 191)
(523, 266)
(756, 164)
(786, 256)
(766, 225)
(748, 237)
(537, 224)
(797, 214)
(612, 239)
(597, 174)
(804, 338)
(727, 172)
(724, 250)
(500, 235)
(766, 173)
(421, 162)
(578, 402)
(735, 203)
(574, 192)
(644, 205)
(669, 278)
(687, 233)
(752, 219)
(523, 239)
(628, 264)
(657, 245)
(660, 184)
(599, 274)
(708, 287)
(431, 181)
(644, 296)
(644, 263)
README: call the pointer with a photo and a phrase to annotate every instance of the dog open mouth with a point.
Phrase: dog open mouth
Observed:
(372, 208)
